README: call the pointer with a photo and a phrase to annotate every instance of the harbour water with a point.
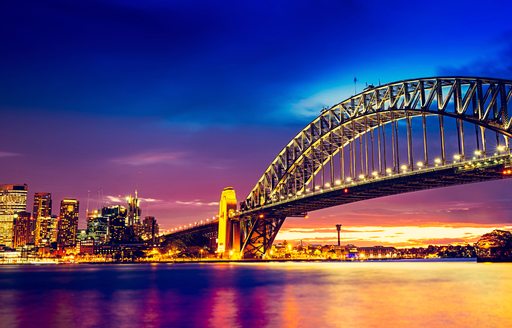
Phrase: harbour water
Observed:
(355, 294)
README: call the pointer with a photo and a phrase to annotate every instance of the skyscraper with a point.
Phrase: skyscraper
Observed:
(42, 204)
(68, 223)
(116, 223)
(13, 199)
(22, 229)
(41, 213)
(134, 212)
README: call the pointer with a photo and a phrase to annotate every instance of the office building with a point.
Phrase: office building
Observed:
(22, 233)
(13, 199)
(68, 223)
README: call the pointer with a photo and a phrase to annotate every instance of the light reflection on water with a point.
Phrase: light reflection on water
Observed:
(366, 294)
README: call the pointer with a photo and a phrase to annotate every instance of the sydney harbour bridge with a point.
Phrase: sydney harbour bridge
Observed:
(395, 138)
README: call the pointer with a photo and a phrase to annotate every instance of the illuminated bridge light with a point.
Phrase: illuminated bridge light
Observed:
(389, 171)
(404, 168)
(349, 179)
(337, 182)
(375, 174)
(361, 176)
(478, 152)
(507, 172)
(500, 148)
(327, 185)
(457, 157)
(437, 161)
(345, 190)
(317, 187)
(420, 165)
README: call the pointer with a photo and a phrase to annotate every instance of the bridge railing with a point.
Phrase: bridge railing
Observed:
(479, 161)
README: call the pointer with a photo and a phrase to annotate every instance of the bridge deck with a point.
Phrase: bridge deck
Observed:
(454, 174)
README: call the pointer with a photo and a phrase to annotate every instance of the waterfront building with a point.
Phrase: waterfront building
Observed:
(97, 226)
(68, 223)
(22, 233)
(13, 199)
(150, 227)
(87, 246)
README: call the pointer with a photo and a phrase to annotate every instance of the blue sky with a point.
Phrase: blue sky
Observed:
(181, 98)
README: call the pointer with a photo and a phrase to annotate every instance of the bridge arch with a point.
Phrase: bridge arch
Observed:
(483, 102)
(291, 186)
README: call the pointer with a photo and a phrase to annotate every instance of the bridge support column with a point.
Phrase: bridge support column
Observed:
(260, 234)
(228, 243)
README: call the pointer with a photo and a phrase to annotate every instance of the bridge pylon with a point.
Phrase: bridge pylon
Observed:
(228, 245)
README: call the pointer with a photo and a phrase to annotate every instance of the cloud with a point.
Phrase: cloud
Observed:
(8, 154)
(196, 202)
(495, 65)
(150, 158)
(122, 199)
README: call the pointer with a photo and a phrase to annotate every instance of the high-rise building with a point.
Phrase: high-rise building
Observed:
(13, 199)
(150, 228)
(116, 223)
(46, 230)
(68, 223)
(42, 204)
(22, 229)
(42, 209)
(97, 226)
(133, 210)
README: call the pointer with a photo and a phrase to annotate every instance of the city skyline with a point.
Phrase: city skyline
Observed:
(97, 106)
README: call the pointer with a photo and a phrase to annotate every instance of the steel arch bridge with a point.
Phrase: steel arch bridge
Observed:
(399, 137)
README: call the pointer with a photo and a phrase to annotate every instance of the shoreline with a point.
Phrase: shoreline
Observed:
(217, 261)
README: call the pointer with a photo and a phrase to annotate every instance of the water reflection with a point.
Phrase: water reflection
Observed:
(384, 294)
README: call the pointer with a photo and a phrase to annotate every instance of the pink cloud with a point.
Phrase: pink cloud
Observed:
(8, 154)
(150, 158)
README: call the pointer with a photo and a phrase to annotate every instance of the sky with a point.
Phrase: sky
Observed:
(179, 99)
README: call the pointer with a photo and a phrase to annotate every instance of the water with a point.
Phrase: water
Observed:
(368, 294)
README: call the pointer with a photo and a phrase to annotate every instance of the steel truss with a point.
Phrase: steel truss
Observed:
(261, 232)
(483, 102)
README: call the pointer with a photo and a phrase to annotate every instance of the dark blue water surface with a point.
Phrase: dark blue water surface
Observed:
(384, 294)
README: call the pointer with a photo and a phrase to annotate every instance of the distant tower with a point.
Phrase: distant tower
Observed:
(338, 227)
(68, 223)
(133, 210)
